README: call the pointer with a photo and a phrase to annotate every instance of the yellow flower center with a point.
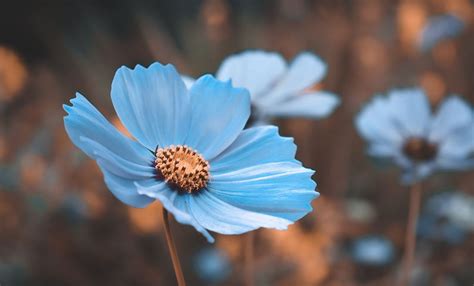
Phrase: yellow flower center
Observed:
(182, 167)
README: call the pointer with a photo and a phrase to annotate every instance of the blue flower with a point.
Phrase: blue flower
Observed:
(276, 88)
(212, 265)
(447, 216)
(192, 154)
(440, 28)
(402, 127)
(373, 250)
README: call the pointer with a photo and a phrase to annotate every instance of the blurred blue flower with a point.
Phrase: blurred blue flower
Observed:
(401, 126)
(440, 28)
(373, 250)
(435, 227)
(276, 88)
(191, 154)
(212, 265)
(457, 207)
(448, 217)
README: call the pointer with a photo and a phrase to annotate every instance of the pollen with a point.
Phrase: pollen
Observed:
(419, 149)
(182, 167)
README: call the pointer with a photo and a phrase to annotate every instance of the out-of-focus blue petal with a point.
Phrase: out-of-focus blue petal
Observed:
(459, 144)
(212, 265)
(447, 217)
(152, 104)
(440, 28)
(120, 158)
(453, 114)
(281, 189)
(416, 172)
(219, 216)
(453, 163)
(219, 113)
(382, 150)
(375, 125)
(255, 146)
(410, 111)
(257, 71)
(314, 105)
(453, 130)
(373, 250)
(305, 71)
(457, 207)
(173, 201)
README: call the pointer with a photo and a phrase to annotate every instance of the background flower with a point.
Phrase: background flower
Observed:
(372, 250)
(276, 88)
(400, 126)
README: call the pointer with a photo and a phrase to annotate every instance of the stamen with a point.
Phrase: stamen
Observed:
(419, 149)
(183, 167)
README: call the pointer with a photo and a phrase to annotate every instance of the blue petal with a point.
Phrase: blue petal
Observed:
(280, 189)
(314, 105)
(121, 159)
(188, 81)
(459, 144)
(375, 124)
(152, 104)
(124, 189)
(219, 113)
(410, 111)
(218, 216)
(454, 163)
(444, 123)
(257, 71)
(255, 146)
(417, 172)
(174, 202)
(305, 71)
(440, 28)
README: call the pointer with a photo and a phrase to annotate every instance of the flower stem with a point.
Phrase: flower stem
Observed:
(410, 236)
(173, 253)
(249, 258)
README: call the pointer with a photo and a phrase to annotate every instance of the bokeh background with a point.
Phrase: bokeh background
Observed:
(59, 225)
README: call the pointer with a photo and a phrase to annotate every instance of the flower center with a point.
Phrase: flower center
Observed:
(183, 167)
(419, 149)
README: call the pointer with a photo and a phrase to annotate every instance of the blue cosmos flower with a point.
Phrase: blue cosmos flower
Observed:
(373, 250)
(276, 88)
(192, 154)
(401, 126)
(448, 217)
(440, 28)
(212, 265)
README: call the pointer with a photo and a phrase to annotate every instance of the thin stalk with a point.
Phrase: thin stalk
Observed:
(410, 236)
(173, 253)
(249, 258)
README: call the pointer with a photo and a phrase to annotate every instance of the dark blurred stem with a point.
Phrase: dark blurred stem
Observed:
(410, 238)
(173, 252)
(249, 258)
